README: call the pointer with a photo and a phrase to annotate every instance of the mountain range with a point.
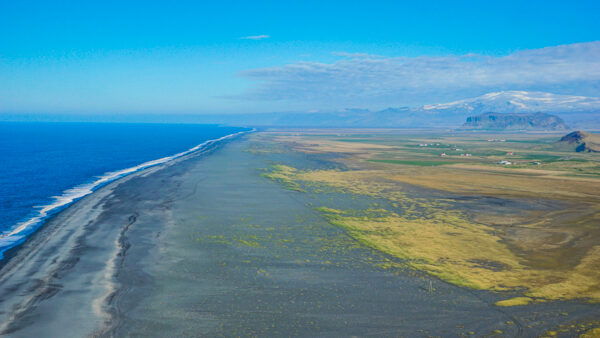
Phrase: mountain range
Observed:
(576, 111)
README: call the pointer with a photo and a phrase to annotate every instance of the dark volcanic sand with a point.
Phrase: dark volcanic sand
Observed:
(208, 247)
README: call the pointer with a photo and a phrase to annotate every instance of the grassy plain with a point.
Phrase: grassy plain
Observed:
(532, 226)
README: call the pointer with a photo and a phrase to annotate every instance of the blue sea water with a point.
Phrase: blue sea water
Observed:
(44, 167)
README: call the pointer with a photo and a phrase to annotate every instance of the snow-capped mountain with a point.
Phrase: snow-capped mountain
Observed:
(519, 102)
(576, 111)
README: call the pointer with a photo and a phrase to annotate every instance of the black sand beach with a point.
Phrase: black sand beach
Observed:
(205, 246)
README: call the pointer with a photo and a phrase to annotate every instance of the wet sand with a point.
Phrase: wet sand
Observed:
(205, 246)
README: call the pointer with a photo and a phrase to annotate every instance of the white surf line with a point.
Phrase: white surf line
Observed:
(19, 233)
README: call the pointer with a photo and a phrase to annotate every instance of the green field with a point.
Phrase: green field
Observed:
(422, 163)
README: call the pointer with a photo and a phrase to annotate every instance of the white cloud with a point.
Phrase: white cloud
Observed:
(256, 37)
(367, 80)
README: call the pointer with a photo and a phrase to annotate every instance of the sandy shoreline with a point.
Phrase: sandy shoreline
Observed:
(71, 262)
(205, 246)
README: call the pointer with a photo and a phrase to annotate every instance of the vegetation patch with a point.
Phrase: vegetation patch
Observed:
(582, 329)
(284, 175)
(517, 301)
(420, 163)
(592, 333)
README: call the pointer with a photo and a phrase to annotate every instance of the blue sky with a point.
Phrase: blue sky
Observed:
(95, 57)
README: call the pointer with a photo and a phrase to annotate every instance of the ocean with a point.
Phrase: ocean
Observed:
(44, 167)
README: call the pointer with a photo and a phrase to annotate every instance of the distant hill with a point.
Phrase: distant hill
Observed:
(515, 121)
(582, 141)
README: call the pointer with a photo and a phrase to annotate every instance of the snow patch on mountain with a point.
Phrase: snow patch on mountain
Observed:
(520, 101)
